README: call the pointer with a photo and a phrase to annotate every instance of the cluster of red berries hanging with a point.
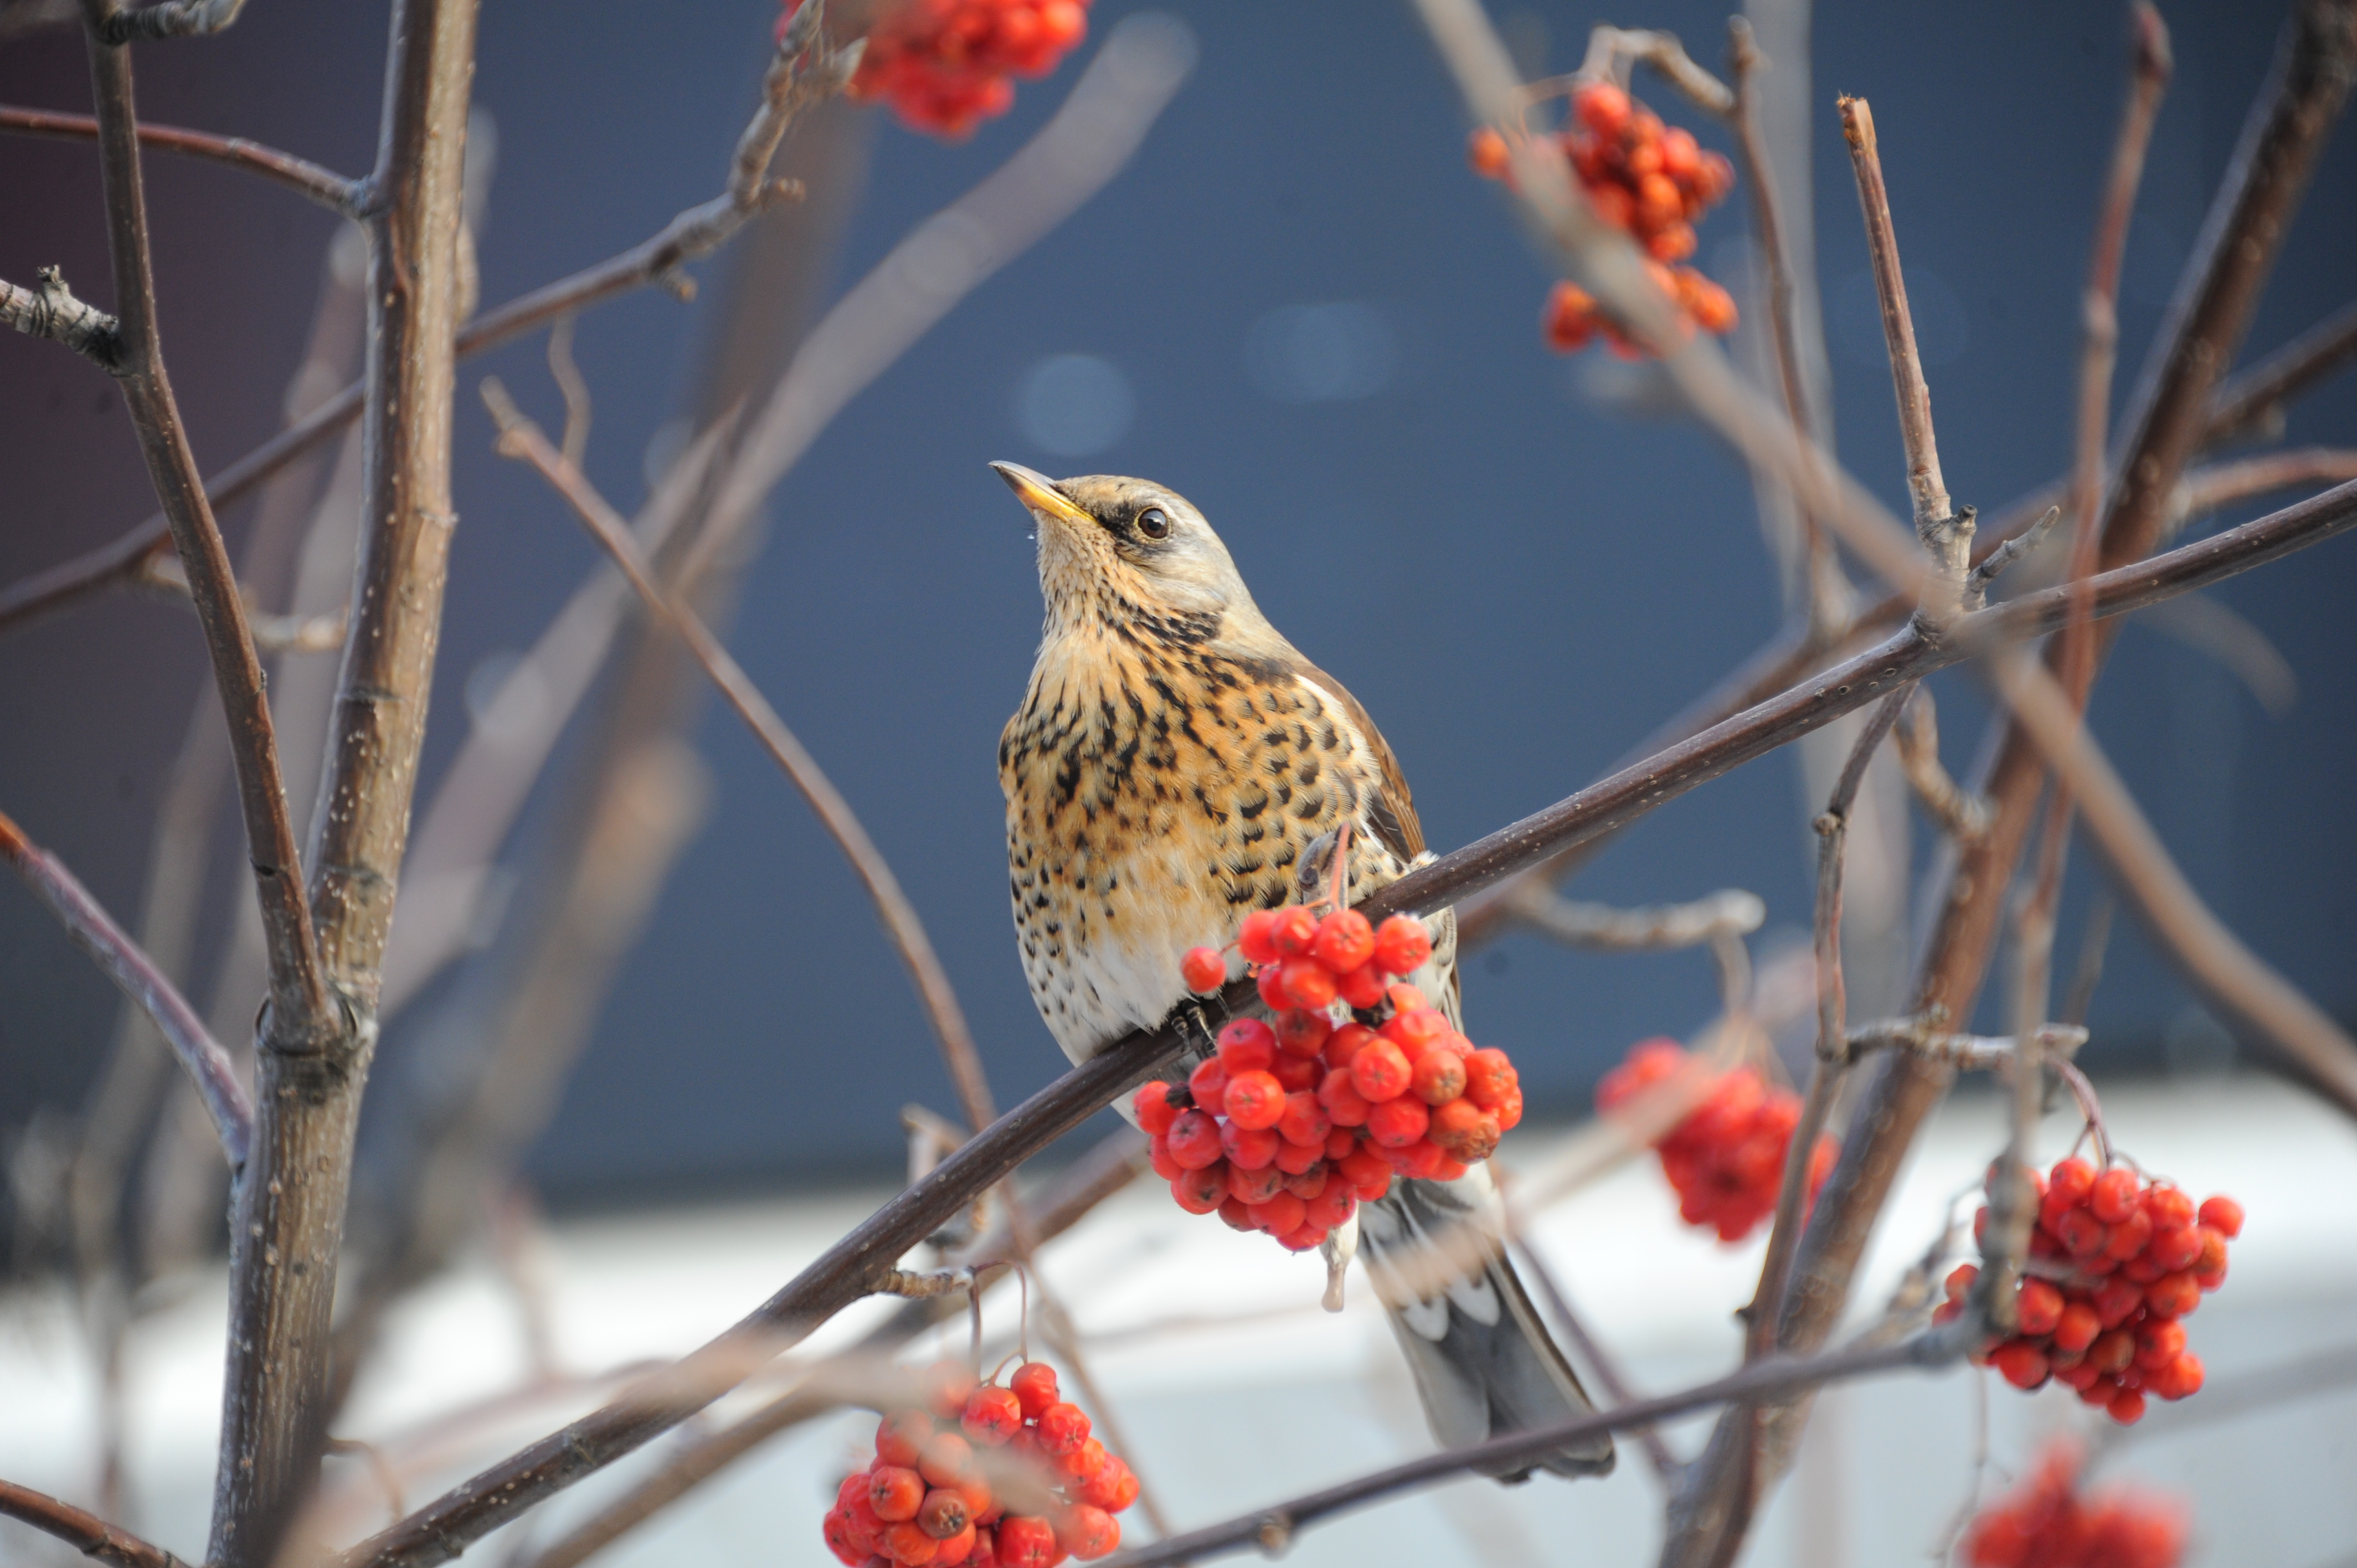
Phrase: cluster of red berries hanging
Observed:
(1287, 1127)
(1653, 181)
(946, 66)
(1726, 1160)
(990, 1476)
(2118, 1262)
(2044, 1522)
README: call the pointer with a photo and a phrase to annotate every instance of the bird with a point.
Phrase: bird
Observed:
(1175, 764)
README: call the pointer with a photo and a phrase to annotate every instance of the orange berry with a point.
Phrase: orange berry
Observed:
(1397, 1123)
(1204, 970)
(1465, 1131)
(1257, 938)
(1379, 1071)
(1344, 941)
(1602, 107)
(1034, 1387)
(2223, 1214)
(1485, 150)
(1087, 1532)
(1402, 945)
(1437, 1077)
(1254, 1101)
(902, 1435)
(894, 1492)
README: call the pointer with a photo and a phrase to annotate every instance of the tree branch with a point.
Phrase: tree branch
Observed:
(49, 309)
(85, 1533)
(519, 438)
(286, 1238)
(172, 19)
(1600, 927)
(1273, 1528)
(136, 976)
(793, 83)
(305, 178)
(445, 1526)
(2255, 398)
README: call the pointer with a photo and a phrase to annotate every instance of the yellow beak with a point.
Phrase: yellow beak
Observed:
(1038, 492)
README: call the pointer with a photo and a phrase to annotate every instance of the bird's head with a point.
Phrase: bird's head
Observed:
(1111, 547)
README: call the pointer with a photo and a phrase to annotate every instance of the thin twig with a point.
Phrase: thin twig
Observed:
(2256, 397)
(2089, 972)
(2231, 979)
(1973, 1052)
(271, 633)
(49, 309)
(1609, 1374)
(445, 1526)
(795, 81)
(1601, 927)
(1944, 534)
(172, 19)
(519, 437)
(85, 1533)
(136, 976)
(1961, 814)
(1273, 1528)
(305, 178)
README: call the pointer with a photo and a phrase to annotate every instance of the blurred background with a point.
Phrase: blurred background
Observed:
(633, 965)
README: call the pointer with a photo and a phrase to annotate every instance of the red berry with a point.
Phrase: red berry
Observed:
(2082, 1233)
(1602, 107)
(1305, 1122)
(1084, 1461)
(948, 1459)
(1960, 1279)
(2177, 1248)
(1399, 1121)
(2223, 1214)
(1248, 1148)
(2159, 1341)
(1344, 941)
(844, 1538)
(1488, 1077)
(1333, 1204)
(1402, 945)
(1369, 1175)
(1270, 985)
(2113, 1351)
(1257, 938)
(1465, 1131)
(1254, 1101)
(2115, 1194)
(1302, 1035)
(2170, 1208)
(1344, 1043)
(2115, 1301)
(1200, 1191)
(1087, 1532)
(1025, 1542)
(901, 1436)
(1113, 1489)
(1203, 970)
(1255, 1185)
(2038, 1309)
(1194, 1140)
(1063, 1427)
(1339, 1141)
(1416, 1030)
(1306, 984)
(894, 1492)
(907, 1542)
(942, 1514)
(2129, 1236)
(1485, 150)
(1341, 1100)
(1296, 1073)
(2172, 1295)
(1294, 930)
(2181, 1378)
(1509, 1113)
(958, 1547)
(2126, 1407)
(1245, 1044)
(1379, 1072)
(1282, 1212)
(947, 1383)
(1438, 1078)
(1152, 1105)
(2020, 1363)
(1034, 1385)
(1158, 1156)
(1208, 1084)
(991, 1415)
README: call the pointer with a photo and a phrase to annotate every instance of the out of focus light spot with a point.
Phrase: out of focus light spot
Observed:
(1073, 405)
(1321, 353)
(1942, 333)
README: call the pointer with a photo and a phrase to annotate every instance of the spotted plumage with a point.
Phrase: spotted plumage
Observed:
(1176, 763)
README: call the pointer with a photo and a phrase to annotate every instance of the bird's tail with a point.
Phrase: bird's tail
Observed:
(1483, 1363)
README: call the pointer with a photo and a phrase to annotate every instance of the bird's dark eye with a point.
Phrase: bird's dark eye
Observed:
(1153, 523)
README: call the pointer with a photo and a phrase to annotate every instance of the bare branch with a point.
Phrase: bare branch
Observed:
(172, 19)
(1970, 1052)
(1600, 1360)
(49, 309)
(305, 178)
(1961, 814)
(271, 633)
(519, 437)
(2255, 398)
(1945, 535)
(444, 1528)
(2232, 980)
(1603, 929)
(1612, 51)
(85, 1533)
(2205, 489)
(136, 976)
(1273, 1528)
(793, 83)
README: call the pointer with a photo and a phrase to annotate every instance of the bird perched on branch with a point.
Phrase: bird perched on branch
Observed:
(1176, 764)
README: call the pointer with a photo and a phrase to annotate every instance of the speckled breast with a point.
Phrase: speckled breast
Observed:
(1154, 797)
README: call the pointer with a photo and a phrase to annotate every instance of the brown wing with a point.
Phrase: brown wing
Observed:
(1393, 811)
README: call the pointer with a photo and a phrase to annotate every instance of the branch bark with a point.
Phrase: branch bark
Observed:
(49, 309)
(136, 976)
(85, 1533)
(288, 1235)
(305, 178)
(844, 1274)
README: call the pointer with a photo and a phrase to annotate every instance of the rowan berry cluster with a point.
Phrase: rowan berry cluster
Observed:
(946, 66)
(2115, 1263)
(1726, 1160)
(988, 1476)
(1640, 176)
(2044, 1522)
(1290, 1125)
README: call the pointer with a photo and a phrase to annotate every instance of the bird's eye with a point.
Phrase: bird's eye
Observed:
(1153, 523)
